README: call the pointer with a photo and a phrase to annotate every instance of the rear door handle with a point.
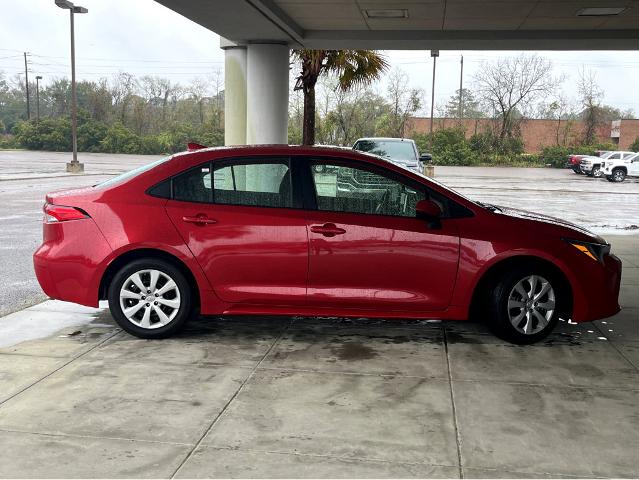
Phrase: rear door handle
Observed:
(199, 219)
(328, 229)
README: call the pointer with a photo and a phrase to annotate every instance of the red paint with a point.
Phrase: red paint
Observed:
(255, 260)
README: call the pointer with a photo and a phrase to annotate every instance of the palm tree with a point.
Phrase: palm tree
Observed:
(352, 67)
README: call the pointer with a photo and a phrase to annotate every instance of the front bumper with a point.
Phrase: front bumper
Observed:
(596, 290)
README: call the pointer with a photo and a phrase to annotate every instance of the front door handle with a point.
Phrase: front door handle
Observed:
(199, 219)
(328, 229)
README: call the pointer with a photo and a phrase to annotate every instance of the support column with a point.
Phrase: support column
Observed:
(267, 93)
(234, 93)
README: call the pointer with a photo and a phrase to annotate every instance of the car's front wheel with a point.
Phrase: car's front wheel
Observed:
(150, 298)
(596, 171)
(523, 305)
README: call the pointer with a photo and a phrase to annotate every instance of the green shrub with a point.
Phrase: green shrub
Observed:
(53, 134)
(90, 135)
(635, 145)
(119, 139)
(8, 142)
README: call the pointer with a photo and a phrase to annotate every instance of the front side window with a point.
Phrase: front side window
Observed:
(256, 184)
(346, 188)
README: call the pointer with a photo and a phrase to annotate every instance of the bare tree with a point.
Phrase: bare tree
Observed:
(511, 85)
(124, 86)
(590, 96)
(562, 111)
(404, 102)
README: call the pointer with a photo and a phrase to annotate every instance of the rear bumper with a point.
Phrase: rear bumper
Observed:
(68, 262)
(597, 293)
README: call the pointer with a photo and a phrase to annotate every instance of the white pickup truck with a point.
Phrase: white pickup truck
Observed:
(616, 170)
(591, 165)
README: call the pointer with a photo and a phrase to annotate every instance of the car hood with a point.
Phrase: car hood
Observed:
(539, 217)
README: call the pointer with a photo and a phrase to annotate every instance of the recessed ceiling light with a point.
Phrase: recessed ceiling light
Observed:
(387, 13)
(600, 11)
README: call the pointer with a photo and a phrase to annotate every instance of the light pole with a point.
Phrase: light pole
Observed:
(26, 83)
(38, 78)
(434, 54)
(74, 166)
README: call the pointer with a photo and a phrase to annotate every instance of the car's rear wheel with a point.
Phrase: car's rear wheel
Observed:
(523, 305)
(150, 298)
(618, 175)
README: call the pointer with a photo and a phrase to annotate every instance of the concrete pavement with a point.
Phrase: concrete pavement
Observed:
(297, 397)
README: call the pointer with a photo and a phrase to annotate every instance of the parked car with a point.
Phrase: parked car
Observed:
(401, 151)
(574, 163)
(591, 165)
(618, 170)
(256, 230)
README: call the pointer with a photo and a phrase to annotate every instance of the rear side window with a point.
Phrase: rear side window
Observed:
(194, 185)
(253, 183)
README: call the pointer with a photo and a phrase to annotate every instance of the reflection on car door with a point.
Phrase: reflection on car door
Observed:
(237, 219)
(367, 249)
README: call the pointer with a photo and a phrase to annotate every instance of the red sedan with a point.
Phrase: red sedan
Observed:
(316, 232)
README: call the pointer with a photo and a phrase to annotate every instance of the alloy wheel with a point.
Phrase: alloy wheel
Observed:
(150, 299)
(618, 176)
(531, 304)
(596, 172)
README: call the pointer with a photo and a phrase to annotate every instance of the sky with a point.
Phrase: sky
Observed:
(145, 38)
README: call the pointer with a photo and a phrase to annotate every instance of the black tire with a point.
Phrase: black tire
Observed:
(609, 178)
(618, 175)
(596, 171)
(182, 290)
(497, 313)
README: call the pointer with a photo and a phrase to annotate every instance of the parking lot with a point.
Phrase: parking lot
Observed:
(299, 397)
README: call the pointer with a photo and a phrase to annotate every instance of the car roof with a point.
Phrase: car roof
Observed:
(384, 139)
(218, 153)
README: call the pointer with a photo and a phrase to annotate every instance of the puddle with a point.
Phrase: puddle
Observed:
(352, 351)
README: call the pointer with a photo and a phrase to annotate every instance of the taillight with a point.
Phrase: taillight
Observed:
(61, 213)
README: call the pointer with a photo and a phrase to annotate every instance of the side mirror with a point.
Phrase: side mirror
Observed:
(429, 211)
(425, 157)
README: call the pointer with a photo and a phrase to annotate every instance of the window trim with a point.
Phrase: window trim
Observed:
(310, 193)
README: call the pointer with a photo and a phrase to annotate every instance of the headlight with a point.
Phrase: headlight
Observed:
(596, 251)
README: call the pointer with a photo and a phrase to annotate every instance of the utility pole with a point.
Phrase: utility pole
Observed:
(461, 90)
(434, 54)
(26, 81)
(38, 78)
(74, 166)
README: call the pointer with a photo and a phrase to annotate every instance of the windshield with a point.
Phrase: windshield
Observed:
(607, 154)
(132, 173)
(393, 150)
